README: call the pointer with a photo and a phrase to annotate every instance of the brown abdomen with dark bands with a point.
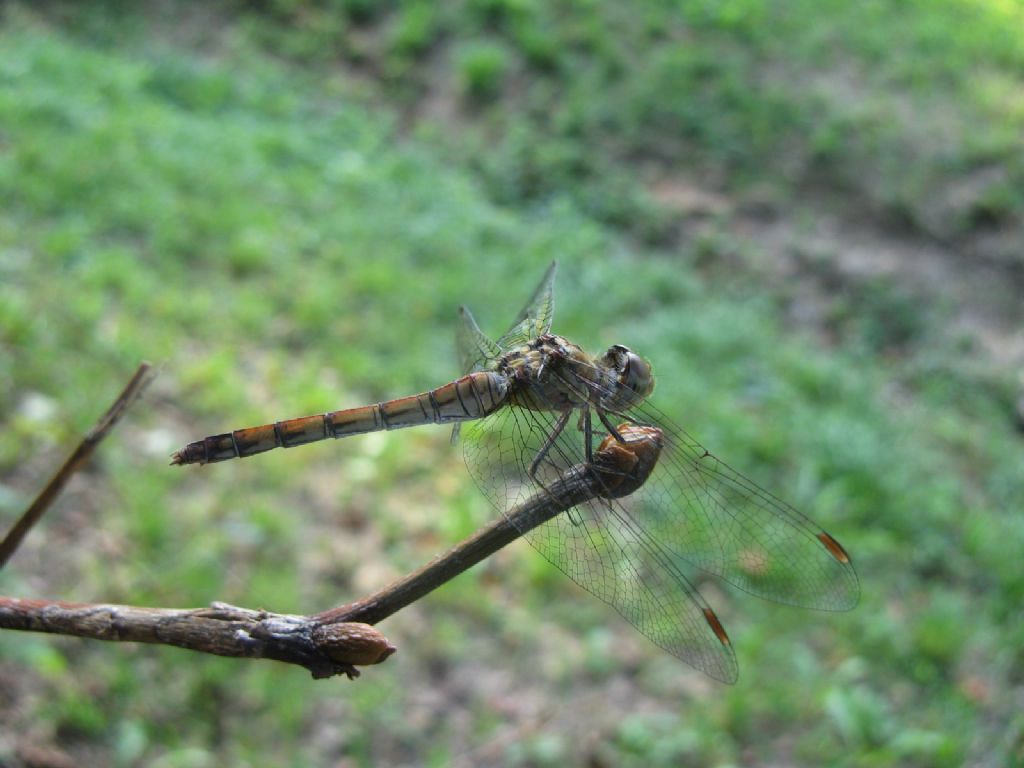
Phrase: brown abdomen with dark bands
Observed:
(471, 397)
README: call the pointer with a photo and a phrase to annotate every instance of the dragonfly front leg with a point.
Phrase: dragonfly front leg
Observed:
(607, 425)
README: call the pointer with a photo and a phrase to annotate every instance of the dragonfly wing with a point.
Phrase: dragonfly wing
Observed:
(475, 349)
(535, 318)
(476, 352)
(603, 545)
(722, 522)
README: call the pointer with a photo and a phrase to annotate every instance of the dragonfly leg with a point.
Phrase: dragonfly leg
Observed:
(546, 448)
(584, 426)
(588, 435)
(608, 425)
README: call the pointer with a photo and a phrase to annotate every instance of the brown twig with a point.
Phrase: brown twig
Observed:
(617, 470)
(143, 376)
(221, 629)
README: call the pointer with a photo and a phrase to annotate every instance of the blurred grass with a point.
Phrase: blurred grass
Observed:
(911, 111)
(267, 236)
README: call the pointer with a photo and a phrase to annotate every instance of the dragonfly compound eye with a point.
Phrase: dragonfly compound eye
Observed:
(633, 374)
(637, 374)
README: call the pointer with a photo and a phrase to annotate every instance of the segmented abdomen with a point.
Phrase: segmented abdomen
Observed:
(471, 397)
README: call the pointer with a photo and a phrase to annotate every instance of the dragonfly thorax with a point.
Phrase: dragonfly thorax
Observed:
(548, 373)
(552, 373)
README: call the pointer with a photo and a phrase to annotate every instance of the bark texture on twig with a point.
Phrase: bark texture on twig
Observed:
(221, 629)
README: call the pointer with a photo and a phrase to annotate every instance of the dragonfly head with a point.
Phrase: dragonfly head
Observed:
(632, 373)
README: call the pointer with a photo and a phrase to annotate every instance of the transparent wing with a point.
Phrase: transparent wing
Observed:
(535, 318)
(604, 544)
(704, 511)
(475, 349)
(722, 522)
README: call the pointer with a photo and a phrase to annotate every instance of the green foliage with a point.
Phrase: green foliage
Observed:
(415, 28)
(804, 93)
(482, 67)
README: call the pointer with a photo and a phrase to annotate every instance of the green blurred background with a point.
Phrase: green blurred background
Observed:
(809, 215)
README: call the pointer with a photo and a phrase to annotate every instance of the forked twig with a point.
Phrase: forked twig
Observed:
(335, 641)
(143, 376)
(221, 629)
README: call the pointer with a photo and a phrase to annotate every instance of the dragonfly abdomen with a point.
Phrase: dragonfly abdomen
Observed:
(471, 397)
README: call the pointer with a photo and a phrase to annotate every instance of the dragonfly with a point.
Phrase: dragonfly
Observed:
(533, 406)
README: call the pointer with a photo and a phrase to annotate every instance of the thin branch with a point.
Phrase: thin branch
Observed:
(143, 376)
(618, 469)
(221, 629)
